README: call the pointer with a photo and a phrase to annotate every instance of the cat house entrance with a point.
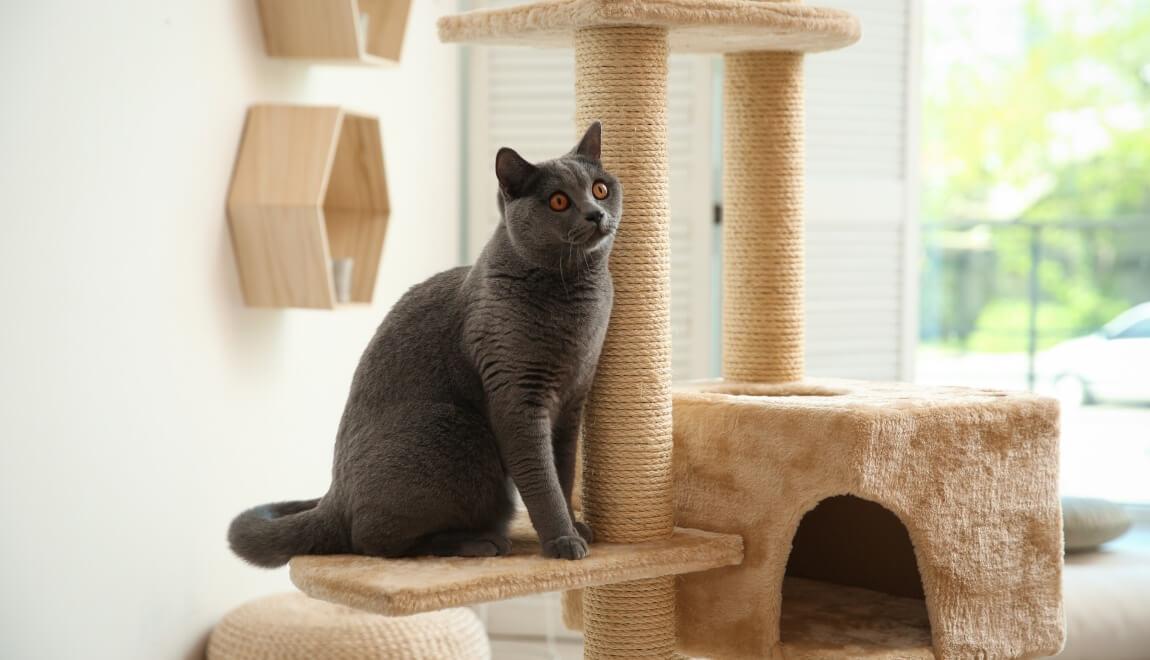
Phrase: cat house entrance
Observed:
(852, 582)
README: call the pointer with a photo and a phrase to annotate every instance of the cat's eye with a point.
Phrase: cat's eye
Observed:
(599, 190)
(559, 202)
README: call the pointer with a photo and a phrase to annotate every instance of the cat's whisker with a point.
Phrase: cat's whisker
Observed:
(562, 280)
(570, 257)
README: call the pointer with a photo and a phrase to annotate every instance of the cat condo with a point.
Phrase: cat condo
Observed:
(696, 495)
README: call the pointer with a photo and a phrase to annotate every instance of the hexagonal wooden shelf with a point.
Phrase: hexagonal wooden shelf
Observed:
(366, 31)
(309, 187)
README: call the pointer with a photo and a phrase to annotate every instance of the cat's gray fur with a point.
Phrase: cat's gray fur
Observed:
(474, 382)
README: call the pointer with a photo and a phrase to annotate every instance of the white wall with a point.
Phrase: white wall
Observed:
(141, 404)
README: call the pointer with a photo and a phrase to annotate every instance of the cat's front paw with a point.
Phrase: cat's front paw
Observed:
(565, 547)
(585, 531)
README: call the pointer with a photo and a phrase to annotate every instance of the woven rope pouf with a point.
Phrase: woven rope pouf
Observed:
(292, 626)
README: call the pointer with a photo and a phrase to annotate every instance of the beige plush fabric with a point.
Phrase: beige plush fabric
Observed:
(294, 627)
(823, 620)
(701, 26)
(407, 586)
(972, 474)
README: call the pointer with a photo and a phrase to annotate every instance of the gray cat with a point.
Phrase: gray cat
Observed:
(473, 384)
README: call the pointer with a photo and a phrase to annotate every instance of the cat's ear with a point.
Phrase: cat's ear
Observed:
(512, 171)
(592, 142)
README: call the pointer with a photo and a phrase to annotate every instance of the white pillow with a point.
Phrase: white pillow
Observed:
(1088, 523)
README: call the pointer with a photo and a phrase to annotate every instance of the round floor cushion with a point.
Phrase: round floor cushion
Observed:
(292, 626)
(1088, 523)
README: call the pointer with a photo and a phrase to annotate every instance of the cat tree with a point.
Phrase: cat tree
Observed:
(971, 474)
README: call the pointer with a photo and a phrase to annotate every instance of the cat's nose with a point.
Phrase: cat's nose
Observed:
(593, 216)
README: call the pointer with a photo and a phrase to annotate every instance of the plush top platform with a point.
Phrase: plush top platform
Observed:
(698, 26)
(398, 587)
(868, 397)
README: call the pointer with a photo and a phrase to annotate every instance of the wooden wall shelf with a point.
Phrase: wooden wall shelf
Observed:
(367, 31)
(309, 187)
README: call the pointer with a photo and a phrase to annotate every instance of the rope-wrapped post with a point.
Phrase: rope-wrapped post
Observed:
(763, 217)
(621, 78)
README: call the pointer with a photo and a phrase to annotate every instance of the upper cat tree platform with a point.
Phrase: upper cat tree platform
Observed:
(694, 26)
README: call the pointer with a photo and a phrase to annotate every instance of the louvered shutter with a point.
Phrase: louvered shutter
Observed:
(860, 126)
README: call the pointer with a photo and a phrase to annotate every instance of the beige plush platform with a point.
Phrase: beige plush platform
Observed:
(407, 586)
(972, 474)
(822, 620)
(702, 26)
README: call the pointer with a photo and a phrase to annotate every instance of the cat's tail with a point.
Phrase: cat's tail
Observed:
(270, 534)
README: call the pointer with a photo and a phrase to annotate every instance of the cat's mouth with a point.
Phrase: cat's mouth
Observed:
(590, 235)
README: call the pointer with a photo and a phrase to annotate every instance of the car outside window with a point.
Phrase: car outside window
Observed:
(1140, 330)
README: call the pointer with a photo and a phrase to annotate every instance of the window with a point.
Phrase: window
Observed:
(1036, 222)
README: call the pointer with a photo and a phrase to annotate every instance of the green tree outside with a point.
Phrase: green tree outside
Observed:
(1035, 111)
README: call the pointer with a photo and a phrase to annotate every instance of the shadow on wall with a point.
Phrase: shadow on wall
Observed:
(254, 337)
(200, 650)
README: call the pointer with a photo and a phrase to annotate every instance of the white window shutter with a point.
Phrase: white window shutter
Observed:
(861, 128)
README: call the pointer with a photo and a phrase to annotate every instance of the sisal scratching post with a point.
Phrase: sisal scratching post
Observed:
(763, 217)
(621, 76)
